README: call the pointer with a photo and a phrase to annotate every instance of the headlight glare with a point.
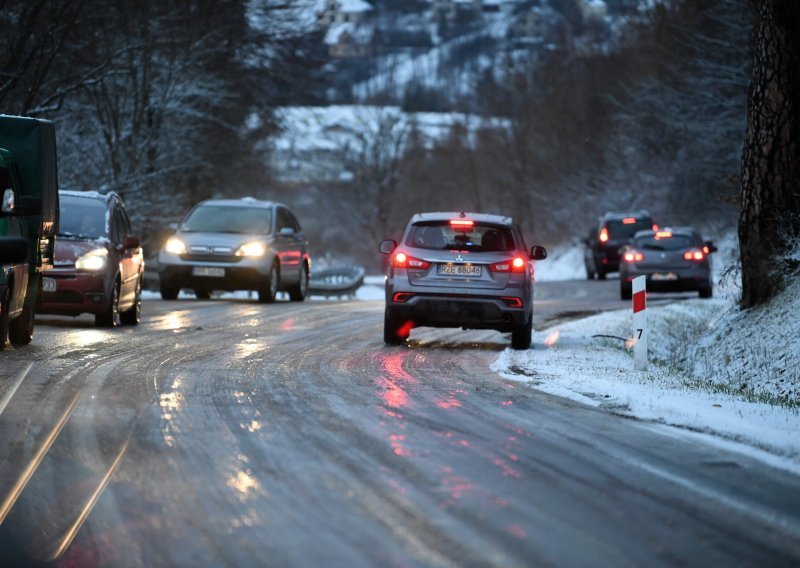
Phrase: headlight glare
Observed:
(175, 246)
(93, 260)
(252, 249)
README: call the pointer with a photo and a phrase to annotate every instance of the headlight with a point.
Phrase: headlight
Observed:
(175, 246)
(93, 260)
(252, 249)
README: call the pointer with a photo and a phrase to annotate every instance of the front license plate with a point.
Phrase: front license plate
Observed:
(459, 270)
(659, 276)
(48, 284)
(212, 271)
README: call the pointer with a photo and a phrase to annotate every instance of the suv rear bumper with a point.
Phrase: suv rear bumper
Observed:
(472, 312)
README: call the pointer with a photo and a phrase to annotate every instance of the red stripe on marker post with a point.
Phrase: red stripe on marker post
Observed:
(639, 301)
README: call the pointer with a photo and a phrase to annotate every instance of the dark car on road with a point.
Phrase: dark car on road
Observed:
(612, 232)
(236, 244)
(467, 270)
(673, 260)
(99, 265)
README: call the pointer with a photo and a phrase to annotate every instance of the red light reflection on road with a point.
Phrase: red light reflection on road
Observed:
(517, 531)
(288, 325)
(553, 338)
(394, 395)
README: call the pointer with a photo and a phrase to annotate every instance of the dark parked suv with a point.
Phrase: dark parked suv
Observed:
(236, 244)
(99, 265)
(612, 232)
(465, 270)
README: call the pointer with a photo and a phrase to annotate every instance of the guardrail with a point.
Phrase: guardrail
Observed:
(336, 282)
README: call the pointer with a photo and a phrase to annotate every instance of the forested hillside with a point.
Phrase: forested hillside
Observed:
(555, 111)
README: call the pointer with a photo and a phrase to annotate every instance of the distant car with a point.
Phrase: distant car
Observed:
(236, 244)
(673, 260)
(612, 232)
(99, 265)
(467, 270)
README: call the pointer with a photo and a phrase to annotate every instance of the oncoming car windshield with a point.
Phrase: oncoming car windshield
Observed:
(226, 219)
(453, 236)
(82, 217)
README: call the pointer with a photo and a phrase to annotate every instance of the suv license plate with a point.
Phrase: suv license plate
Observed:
(208, 271)
(48, 284)
(459, 270)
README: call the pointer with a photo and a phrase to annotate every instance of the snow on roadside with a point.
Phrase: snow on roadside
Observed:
(573, 360)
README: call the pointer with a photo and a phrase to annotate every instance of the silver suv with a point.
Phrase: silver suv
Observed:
(236, 244)
(467, 270)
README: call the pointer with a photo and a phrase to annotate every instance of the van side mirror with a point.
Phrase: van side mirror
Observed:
(286, 232)
(8, 201)
(387, 246)
(538, 253)
(710, 246)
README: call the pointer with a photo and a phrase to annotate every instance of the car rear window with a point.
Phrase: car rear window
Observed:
(675, 242)
(444, 236)
(82, 217)
(621, 230)
(225, 219)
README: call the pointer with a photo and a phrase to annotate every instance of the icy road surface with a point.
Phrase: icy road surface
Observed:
(232, 433)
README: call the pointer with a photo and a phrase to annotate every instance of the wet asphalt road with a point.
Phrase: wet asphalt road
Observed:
(232, 433)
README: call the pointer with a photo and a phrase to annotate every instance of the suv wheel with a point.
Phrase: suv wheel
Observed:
(5, 304)
(600, 274)
(168, 292)
(201, 294)
(297, 293)
(391, 330)
(134, 315)
(266, 294)
(521, 335)
(110, 318)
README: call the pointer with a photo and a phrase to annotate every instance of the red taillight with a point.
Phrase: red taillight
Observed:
(402, 260)
(628, 220)
(603, 235)
(694, 254)
(512, 302)
(462, 223)
(633, 256)
(401, 297)
(517, 264)
(655, 227)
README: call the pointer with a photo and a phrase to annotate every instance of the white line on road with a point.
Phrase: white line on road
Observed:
(17, 381)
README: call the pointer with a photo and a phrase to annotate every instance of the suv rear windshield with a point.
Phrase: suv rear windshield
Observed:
(226, 219)
(442, 235)
(82, 217)
(620, 230)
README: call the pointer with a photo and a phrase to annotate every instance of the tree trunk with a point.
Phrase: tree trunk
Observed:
(770, 206)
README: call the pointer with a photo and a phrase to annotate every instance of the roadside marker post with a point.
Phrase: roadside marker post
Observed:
(640, 323)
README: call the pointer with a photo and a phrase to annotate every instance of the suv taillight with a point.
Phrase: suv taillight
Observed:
(402, 260)
(603, 235)
(694, 254)
(517, 264)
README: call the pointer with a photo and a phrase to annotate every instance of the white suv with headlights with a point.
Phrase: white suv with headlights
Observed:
(236, 244)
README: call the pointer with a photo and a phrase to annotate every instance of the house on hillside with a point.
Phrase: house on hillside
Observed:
(343, 12)
(539, 25)
(455, 9)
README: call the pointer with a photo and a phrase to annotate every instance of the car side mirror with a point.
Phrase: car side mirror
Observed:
(173, 227)
(538, 253)
(387, 246)
(8, 201)
(13, 250)
(286, 232)
(131, 243)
